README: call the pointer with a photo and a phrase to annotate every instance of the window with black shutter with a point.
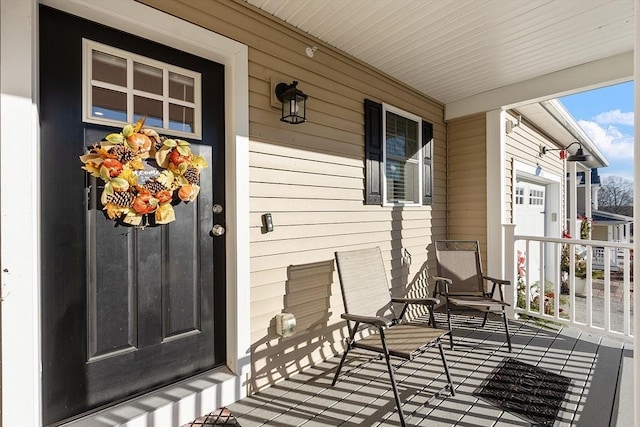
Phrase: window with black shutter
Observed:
(398, 157)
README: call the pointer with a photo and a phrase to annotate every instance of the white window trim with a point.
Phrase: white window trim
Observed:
(87, 84)
(417, 119)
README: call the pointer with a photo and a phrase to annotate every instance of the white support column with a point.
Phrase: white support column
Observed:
(496, 184)
(588, 201)
(636, 213)
(572, 215)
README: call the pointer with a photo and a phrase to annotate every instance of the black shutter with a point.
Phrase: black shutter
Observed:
(427, 163)
(373, 152)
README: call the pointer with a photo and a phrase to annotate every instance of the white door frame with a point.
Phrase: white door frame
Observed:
(20, 212)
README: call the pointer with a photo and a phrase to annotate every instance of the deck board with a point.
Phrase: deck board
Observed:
(362, 395)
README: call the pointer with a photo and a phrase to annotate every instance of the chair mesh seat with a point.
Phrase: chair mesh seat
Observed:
(406, 340)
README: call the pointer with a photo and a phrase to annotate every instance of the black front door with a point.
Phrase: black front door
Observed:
(124, 310)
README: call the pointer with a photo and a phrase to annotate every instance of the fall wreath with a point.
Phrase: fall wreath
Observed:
(144, 175)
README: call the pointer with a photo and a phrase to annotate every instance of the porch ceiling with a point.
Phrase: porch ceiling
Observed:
(476, 55)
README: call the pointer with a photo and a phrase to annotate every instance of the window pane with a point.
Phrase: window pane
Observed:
(147, 78)
(402, 181)
(108, 68)
(181, 87)
(402, 159)
(108, 104)
(181, 118)
(150, 108)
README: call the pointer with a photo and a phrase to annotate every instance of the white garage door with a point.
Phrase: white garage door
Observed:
(530, 220)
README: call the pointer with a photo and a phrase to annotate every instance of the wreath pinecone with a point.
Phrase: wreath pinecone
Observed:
(154, 186)
(192, 175)
(122, 154)
(124, 199)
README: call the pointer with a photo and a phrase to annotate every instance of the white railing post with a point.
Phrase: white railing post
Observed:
(510, 267)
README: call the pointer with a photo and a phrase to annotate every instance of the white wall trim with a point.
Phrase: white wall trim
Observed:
(534, 173)
(20, 215)
(20, 219)
(600, 73)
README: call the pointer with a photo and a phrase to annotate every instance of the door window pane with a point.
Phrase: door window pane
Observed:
(150, 108)
(147, 78)
(181, 118)
(181, 87)
(108, 68)
(109, 104)
(120, 87)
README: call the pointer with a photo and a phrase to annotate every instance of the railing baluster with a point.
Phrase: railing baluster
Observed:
(605, 255)
(607, 290)
(626, 289)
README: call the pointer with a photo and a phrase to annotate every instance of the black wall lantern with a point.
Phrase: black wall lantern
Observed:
(294, 103)
(578, 157)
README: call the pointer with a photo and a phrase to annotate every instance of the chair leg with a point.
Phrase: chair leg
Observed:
(450, 329)
(348, 341)
(344, 356)
(432, 319)
(506, 328)
(484, 322)
(446, 368)
(392, 378)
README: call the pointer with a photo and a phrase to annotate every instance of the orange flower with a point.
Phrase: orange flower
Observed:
(144, 204)
(163, 196)
(188, 193)
(114, 166)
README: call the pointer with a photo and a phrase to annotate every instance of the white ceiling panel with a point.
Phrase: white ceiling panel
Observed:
(455, 49)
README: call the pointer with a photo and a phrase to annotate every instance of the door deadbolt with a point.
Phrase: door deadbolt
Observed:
(217, 208)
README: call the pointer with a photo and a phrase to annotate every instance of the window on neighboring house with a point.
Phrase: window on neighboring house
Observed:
(120, 87)
(536, 197)
(519, 195)
(399, 153)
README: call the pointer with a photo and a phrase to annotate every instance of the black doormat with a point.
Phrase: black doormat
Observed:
(219, 417)
(527, 391)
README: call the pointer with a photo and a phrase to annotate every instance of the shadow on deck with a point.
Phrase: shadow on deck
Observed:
(363, 396)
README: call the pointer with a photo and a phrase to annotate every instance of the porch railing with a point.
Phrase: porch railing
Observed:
(546, 274)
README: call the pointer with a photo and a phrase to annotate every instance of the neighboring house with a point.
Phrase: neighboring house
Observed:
(175, 320)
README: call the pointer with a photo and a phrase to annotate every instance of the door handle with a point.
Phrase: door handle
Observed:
(217, 230)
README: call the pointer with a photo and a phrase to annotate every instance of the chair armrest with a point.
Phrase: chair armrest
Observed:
(498, 281)
(423, 301)
(371, 320)
(445, 285)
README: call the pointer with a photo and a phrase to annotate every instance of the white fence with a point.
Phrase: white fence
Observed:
(553, 289)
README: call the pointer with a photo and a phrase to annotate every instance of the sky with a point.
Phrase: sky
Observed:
(606, 116)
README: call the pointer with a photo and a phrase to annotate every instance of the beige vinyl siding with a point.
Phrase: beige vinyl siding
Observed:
(523, 144)
(310, 177)
(467, 180)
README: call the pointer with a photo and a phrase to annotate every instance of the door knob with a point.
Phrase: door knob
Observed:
(217, 230)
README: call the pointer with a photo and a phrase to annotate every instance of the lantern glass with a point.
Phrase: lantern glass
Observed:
(294, 108)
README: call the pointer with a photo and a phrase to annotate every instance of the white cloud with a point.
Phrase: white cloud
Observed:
(611, 142)
(614, 117)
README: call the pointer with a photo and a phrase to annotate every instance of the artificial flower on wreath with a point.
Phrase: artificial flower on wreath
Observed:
(135, 191)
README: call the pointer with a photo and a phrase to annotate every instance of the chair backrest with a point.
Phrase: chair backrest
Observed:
(363, 281)
(459, 260)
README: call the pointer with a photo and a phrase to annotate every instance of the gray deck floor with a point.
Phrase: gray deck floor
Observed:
(363, 395)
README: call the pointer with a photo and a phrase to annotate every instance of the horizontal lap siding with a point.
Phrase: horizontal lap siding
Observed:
(523, 144)
(467, 180)
(310, 177)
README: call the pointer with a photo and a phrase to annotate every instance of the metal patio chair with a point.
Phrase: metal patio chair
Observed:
(368, 304)
(462, 283)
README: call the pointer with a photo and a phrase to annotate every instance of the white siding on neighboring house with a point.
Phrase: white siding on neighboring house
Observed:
(310, 177)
